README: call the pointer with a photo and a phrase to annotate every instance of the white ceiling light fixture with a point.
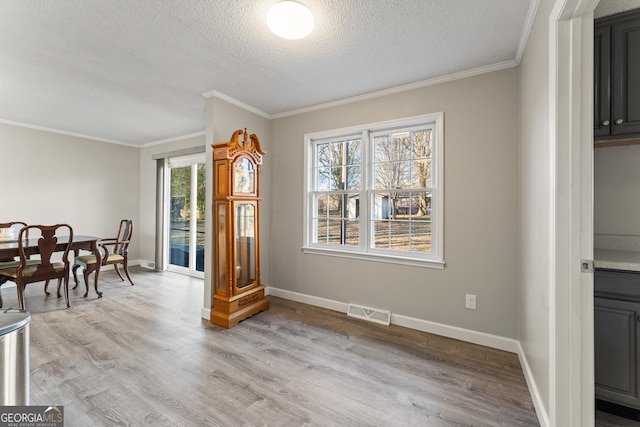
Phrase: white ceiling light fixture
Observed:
(290, 20)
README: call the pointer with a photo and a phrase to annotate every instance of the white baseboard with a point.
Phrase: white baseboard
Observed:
(475, 337)
(205, 313)
(307, 299)
(541, 411)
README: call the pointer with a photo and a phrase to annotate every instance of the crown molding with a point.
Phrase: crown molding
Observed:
(526, 29)
(64, 132)
(176, 138)
(215, 94)
(398, 89)
(404, 88)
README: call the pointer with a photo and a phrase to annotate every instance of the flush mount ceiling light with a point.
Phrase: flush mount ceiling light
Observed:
(290, 20)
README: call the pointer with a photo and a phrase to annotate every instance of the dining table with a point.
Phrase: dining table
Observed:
(9, 250)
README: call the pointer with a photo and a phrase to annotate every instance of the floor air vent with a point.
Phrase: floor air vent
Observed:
(382, 317)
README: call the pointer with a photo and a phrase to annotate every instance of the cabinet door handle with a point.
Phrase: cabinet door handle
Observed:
(605, 123)
(619, 121)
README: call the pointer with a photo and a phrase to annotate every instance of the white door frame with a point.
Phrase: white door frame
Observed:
(571, 365)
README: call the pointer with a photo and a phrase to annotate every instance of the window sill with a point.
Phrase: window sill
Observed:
(414, 262)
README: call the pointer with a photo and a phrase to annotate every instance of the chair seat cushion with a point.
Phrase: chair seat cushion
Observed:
(15, 264)
(91, 259)
(29, 270)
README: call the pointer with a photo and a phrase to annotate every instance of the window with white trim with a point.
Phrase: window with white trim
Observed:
(376, 192)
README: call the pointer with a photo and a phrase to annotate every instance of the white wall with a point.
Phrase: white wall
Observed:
(617, 190)
(50, 178)
(480, 211)
(535, 193)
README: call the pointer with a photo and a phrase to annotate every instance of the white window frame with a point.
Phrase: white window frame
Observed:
(434, 259)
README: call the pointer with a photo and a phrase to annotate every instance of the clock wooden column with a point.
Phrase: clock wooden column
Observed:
(236, 199)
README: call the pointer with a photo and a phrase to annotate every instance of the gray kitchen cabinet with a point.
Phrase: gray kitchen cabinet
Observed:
(617, 337)
(617, 76)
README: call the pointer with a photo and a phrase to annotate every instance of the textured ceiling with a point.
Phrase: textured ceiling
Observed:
(134, 71)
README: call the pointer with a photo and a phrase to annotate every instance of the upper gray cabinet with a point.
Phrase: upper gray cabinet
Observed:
(617, 76)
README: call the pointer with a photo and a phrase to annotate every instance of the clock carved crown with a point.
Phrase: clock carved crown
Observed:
(250, 145)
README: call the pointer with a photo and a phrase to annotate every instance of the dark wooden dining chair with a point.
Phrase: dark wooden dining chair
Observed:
(9, 232)
(44, 269)
(114, 252)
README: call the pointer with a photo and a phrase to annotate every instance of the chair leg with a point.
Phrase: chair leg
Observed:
(118, 271)
(46, 286)
(86, 280)
(66, 289)
(20, 290)
(59, 284)
(126, 271)
(75, 275)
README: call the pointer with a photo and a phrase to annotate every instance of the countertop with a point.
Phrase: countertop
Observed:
(617, 259)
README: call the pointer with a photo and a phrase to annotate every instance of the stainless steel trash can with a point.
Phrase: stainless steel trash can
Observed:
(14, 357)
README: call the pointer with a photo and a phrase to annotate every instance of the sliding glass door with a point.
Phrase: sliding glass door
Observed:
(185, 212)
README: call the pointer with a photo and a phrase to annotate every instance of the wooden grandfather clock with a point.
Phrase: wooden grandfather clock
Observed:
(238, 292)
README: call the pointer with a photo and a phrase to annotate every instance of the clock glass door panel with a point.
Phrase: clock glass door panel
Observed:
(245, 245)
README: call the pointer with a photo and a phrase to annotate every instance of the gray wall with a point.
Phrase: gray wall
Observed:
(51, 178)
(480, 211)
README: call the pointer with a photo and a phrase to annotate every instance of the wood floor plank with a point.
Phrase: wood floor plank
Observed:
(141, 356)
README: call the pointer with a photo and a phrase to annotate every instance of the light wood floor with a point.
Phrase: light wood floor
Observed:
(141, 355)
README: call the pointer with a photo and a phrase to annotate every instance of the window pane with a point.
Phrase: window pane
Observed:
(380, 206)
(393, 147)
(354, 180)
(320, 228)
(180, 215)
(337, 153)
(401, 205)
(399, 235)
(353, 206)
(420, 237)
(422, 205)
(353, 233)
(421, 174)
(335, 232)
(354, 152)
(380, 149)
(335, 205)
(381, 234)
(321, 205)
(323, 157)
(323, 179)
(392, 175)
(422, 144)
(337, 178)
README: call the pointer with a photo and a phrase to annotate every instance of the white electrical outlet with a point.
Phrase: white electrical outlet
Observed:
(470, 302)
